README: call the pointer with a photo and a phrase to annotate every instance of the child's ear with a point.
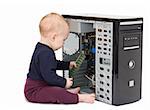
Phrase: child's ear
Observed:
(53, 37)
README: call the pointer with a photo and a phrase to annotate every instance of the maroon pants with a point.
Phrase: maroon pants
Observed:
(40, 92)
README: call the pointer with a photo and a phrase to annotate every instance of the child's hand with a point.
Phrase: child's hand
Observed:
(72, 65)
(69, 82)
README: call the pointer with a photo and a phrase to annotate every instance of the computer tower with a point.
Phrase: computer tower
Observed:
(108, 53)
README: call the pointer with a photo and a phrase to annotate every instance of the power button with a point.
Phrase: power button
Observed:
(131, 64)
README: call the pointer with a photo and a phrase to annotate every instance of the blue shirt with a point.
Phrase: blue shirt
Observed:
(43, 66)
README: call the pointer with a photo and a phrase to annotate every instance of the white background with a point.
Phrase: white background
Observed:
(19, 33)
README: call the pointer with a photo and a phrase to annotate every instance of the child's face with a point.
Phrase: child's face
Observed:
(59, 40)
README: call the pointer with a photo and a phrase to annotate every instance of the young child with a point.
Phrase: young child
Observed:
(43, 85)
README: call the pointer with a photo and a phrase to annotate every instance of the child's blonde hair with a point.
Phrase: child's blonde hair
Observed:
(52, 22)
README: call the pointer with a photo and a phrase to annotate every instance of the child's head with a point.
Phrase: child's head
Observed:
(54, 30)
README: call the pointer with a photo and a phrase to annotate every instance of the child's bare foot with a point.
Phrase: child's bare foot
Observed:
(74, 90)
(87, 98)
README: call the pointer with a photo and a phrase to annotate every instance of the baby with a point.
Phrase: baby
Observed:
(43, 85)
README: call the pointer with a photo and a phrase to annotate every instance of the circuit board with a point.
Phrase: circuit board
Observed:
(79, 61)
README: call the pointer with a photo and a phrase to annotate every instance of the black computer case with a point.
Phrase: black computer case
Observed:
(112, 46)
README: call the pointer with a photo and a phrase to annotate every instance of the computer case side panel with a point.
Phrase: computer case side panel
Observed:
(115, 61)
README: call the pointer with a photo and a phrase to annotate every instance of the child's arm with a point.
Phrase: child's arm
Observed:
(47, 67)
(62, 65)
